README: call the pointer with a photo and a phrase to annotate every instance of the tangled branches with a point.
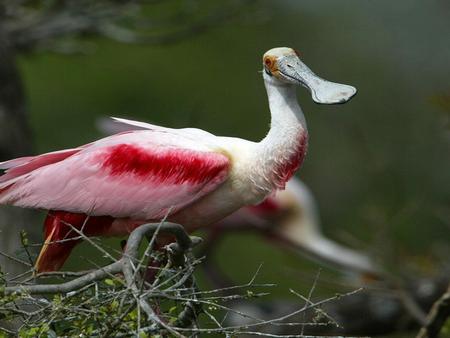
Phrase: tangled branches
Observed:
(143, 293)
(149, 291)
(117, 298)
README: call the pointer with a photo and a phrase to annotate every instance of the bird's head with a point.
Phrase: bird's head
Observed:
(283, 66)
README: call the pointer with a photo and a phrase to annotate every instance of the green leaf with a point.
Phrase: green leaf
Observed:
(24, 238)
(109, 282)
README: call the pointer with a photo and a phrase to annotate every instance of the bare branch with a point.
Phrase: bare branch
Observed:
(72, 285)
(17, 260)
(437, 317)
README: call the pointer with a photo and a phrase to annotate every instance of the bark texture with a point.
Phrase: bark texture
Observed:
(15, 141)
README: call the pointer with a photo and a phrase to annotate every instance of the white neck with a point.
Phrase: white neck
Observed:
(287, 138)
(284, 108)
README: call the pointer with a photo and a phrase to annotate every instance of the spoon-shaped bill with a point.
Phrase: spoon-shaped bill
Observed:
(293, 70)
(326, 92)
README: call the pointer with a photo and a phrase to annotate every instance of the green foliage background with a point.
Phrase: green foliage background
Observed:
(378, 166)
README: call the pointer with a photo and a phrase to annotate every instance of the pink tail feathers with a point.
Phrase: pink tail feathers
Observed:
(24, 165)
(16, 168)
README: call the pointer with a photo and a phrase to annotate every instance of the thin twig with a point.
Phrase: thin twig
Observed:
(66, 287)
(17, 260)
(437, 317)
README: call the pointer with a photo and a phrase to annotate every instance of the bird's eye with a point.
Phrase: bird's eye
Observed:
(268, 66)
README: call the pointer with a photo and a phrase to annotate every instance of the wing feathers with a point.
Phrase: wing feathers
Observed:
(140, 175)
(14, 163)
(24, 165)
(177, 165)
(140, 125)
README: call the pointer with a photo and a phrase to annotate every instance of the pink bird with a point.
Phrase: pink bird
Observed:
(111, 186)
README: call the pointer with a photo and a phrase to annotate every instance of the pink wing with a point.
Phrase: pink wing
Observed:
(141, 174)
(23, 165)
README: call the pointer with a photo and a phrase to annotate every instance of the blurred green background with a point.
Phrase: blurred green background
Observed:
(379, 166)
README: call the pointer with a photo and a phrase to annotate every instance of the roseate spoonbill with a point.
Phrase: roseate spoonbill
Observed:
(114, 184)
(289, 217)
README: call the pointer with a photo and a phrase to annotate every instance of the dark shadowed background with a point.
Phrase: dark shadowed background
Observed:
(379, 165)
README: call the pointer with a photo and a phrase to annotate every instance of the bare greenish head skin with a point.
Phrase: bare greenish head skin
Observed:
(285, 67)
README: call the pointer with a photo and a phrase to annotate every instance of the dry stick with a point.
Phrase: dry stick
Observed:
(63, 274)
(72, 285)
(17, 260)
(4, 329)
(71, 239)
(255, 333)
(48, 274)
(22, 275)
(437, 317)
(86, 238)
(308, 301)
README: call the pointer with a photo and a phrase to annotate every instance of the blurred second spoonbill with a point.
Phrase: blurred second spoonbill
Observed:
(290, 220)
